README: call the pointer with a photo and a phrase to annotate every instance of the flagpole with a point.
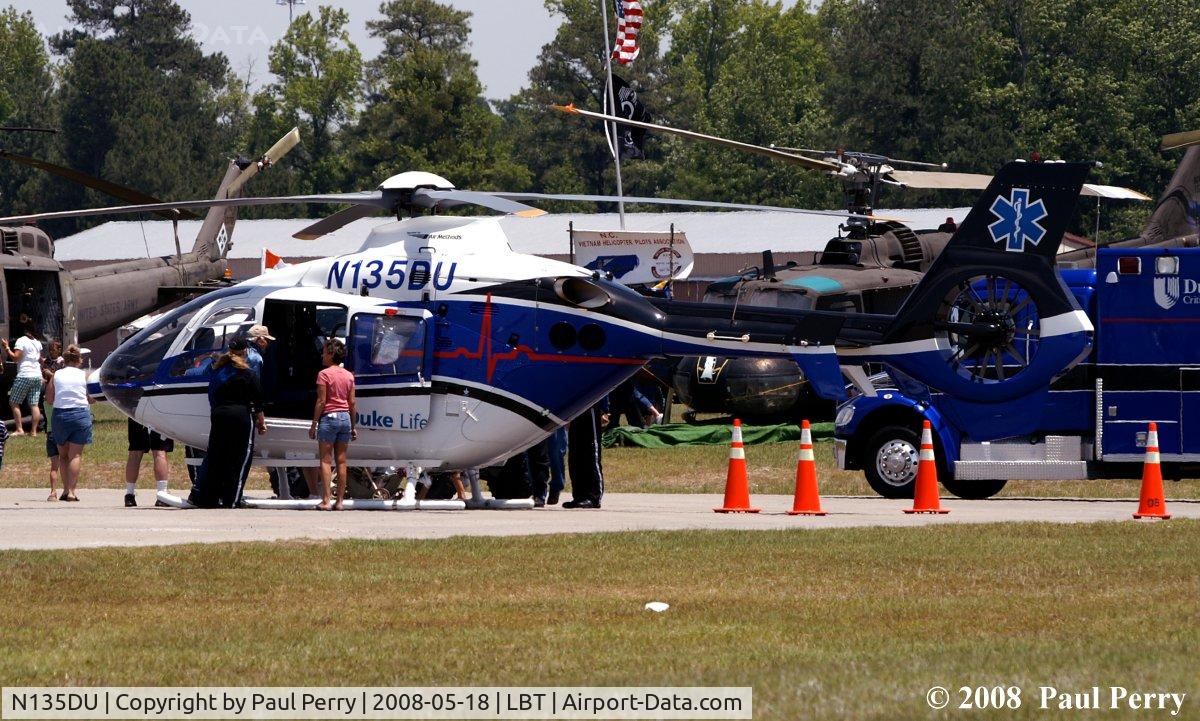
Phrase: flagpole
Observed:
(615, 145)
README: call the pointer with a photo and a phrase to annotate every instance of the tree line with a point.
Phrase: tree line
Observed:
(972, 83)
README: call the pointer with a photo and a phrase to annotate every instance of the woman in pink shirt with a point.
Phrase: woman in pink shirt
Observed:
(333, 419)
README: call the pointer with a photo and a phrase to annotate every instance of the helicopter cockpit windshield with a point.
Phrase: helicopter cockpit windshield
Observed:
(126, 371)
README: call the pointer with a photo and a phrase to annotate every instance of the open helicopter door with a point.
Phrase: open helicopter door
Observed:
(390, 352)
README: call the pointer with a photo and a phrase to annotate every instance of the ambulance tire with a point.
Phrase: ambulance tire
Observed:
(889, 461)
(974, 490)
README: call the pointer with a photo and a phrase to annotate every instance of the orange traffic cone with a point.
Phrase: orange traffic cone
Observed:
(925, 497)
(737, 484)
(808, 499)
(1152, 504)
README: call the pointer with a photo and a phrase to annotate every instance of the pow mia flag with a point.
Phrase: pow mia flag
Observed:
(630, 141)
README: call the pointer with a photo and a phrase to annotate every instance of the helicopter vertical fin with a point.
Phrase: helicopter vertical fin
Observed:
(213, 240)
(1178, 211)
(1002, 254)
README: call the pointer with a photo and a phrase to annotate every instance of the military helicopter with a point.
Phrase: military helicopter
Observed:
(1175, 222)
(467, 352)
(871, 267)
(81, 305)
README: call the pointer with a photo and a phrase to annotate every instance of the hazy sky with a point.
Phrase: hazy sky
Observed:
(506, 35)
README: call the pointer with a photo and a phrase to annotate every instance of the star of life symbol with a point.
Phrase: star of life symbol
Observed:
(1018, 220)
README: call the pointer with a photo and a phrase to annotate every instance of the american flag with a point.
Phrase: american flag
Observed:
(629, 22)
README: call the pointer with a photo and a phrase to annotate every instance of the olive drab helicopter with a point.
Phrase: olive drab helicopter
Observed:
(466, 352)
(80, 305)
(871, 267)
(1175, 221)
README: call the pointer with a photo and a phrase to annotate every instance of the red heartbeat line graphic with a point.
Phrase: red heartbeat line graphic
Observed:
(492, 358)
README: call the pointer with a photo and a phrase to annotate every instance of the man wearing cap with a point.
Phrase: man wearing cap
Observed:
(259, 338)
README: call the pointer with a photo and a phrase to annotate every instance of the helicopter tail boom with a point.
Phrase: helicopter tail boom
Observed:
(989, 322)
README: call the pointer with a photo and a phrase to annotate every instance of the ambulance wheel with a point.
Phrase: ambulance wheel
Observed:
(890, 460)
(974, 490)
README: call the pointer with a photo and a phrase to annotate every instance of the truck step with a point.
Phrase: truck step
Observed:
(1020, 470)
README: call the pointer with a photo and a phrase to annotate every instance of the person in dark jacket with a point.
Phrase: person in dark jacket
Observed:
(235, 401)
(583, 457)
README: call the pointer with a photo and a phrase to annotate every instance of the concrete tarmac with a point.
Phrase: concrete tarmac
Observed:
(28, 521)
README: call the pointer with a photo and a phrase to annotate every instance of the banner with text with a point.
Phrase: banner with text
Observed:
(635, 256)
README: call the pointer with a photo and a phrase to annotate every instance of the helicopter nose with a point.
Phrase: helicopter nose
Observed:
(121, 380)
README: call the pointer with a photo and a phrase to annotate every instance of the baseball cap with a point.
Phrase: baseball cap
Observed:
(260, 331)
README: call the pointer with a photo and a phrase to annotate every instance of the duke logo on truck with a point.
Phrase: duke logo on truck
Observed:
(1018, 220)
(1170, 290)
(1166, 291)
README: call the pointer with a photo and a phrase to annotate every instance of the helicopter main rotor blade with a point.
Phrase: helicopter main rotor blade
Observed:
(1180, 140)
(330, 223)
(1115, 192)
(371, 197)
(941, 180)
(269, 158)
(673, 201)
(882, 158)
(978, 181)
(11, 129)
(493, 201)
(120, 192)
(810, 163)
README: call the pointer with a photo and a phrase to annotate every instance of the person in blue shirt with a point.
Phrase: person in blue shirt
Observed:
(259, 337)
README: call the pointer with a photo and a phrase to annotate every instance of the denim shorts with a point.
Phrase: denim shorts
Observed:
(72, 425)
(334, 428)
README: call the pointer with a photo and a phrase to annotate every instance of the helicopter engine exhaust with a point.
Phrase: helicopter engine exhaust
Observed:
(582, 293)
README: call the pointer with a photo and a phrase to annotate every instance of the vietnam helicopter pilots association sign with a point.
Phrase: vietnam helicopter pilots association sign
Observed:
(635, 256)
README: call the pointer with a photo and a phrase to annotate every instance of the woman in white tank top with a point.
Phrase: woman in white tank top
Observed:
(72, 421)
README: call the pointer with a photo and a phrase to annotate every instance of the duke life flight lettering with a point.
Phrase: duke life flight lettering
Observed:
(394, 274)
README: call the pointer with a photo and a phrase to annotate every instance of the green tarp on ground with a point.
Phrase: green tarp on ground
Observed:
(712, 434)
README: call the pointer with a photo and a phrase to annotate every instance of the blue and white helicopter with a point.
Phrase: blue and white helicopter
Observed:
(466, 352)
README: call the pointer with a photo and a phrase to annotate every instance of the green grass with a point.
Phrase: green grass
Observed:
(852, 623)
(683, 469)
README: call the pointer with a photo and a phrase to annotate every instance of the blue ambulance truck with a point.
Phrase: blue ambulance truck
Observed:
(1091, 423)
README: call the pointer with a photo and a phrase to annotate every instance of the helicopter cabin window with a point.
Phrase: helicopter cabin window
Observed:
(386, 345)
(211, 339)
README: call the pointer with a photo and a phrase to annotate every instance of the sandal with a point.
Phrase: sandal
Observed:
(52, 497)
(323, 507)
(73, 499)
(63, 497)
